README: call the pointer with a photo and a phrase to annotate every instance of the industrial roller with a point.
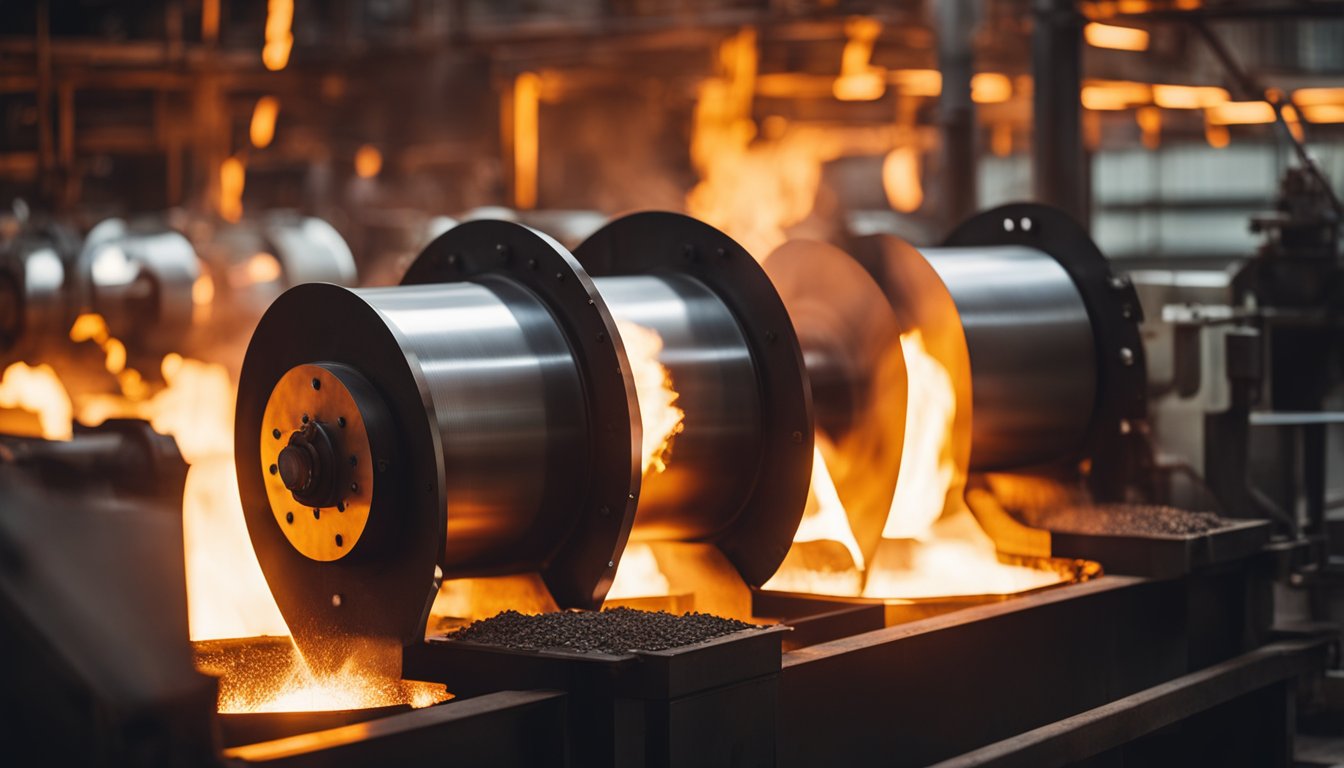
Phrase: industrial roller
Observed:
(737, 475)
(140, 281)
(480, 419)
(35, 306)
(1024, 311)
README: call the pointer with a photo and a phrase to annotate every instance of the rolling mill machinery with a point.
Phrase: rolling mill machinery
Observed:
(486, 419)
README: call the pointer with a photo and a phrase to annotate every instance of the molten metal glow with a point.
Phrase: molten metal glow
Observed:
(298, 688)
(1117, 38)
(279, 34)
(1324, 113)
(227, 595)
(37, 389)
(368, 161)
(638, 575)
(526, 138)
(232, 177)
(264, 114)
(660, 418)
(900, 179)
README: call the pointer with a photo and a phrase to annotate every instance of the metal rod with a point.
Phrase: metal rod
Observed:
(955, 21)
(1059, 166)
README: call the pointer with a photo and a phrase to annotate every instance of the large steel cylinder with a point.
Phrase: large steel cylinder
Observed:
(1026, 314)
(737, 473)
(476, 420)
(1033, 360)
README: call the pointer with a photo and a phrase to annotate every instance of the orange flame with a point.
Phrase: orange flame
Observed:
(660, 418)
(859, 80)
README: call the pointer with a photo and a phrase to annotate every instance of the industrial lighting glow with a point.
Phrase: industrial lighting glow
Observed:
(262, 129)
(1312, 97)
(1188, 96)
(279, 34)
(918, 82)
(859, 80)
(1241, 113)
(1115, 38)
(1150, 122)
(991, 88)
(1115, 94)
(368, 161)
(526, 108)
(1324, 113)
(232, 177)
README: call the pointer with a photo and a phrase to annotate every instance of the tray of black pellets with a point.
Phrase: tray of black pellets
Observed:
(619, 651)
(1148, 540)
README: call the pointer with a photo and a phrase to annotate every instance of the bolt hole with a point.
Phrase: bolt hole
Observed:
(275, 433)
(317, 514)
(353, 460)
(305, 418)
(340, 506)
(317, 384)
(340, 542)
(340, 421)
(289, 518)
(273, 469)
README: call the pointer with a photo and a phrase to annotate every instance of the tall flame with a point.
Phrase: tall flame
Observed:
(638, 574)
(660, 417)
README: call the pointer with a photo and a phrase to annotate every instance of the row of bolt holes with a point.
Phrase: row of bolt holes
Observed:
(354, 487)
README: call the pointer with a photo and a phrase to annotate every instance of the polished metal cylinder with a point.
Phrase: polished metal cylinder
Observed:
(507, 403)
(711, 369)
(1032, 352)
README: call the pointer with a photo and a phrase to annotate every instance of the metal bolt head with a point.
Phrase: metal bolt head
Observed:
(1126, 427)
(336, 601)
(1126, 356)
(797, 436)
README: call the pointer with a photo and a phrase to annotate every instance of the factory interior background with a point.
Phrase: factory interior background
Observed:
(672, 382)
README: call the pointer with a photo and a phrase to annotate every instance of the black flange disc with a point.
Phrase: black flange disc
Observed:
(385, 591)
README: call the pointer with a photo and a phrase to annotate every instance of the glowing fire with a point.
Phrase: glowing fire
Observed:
(279, 34)
(294, 687)
(37, 389)
(660, 417)
(931, 544)
(756, 182)
(227, 595)
(638, 574)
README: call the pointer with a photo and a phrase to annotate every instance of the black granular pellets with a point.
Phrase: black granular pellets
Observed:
(1126, 519)
(615, 630)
